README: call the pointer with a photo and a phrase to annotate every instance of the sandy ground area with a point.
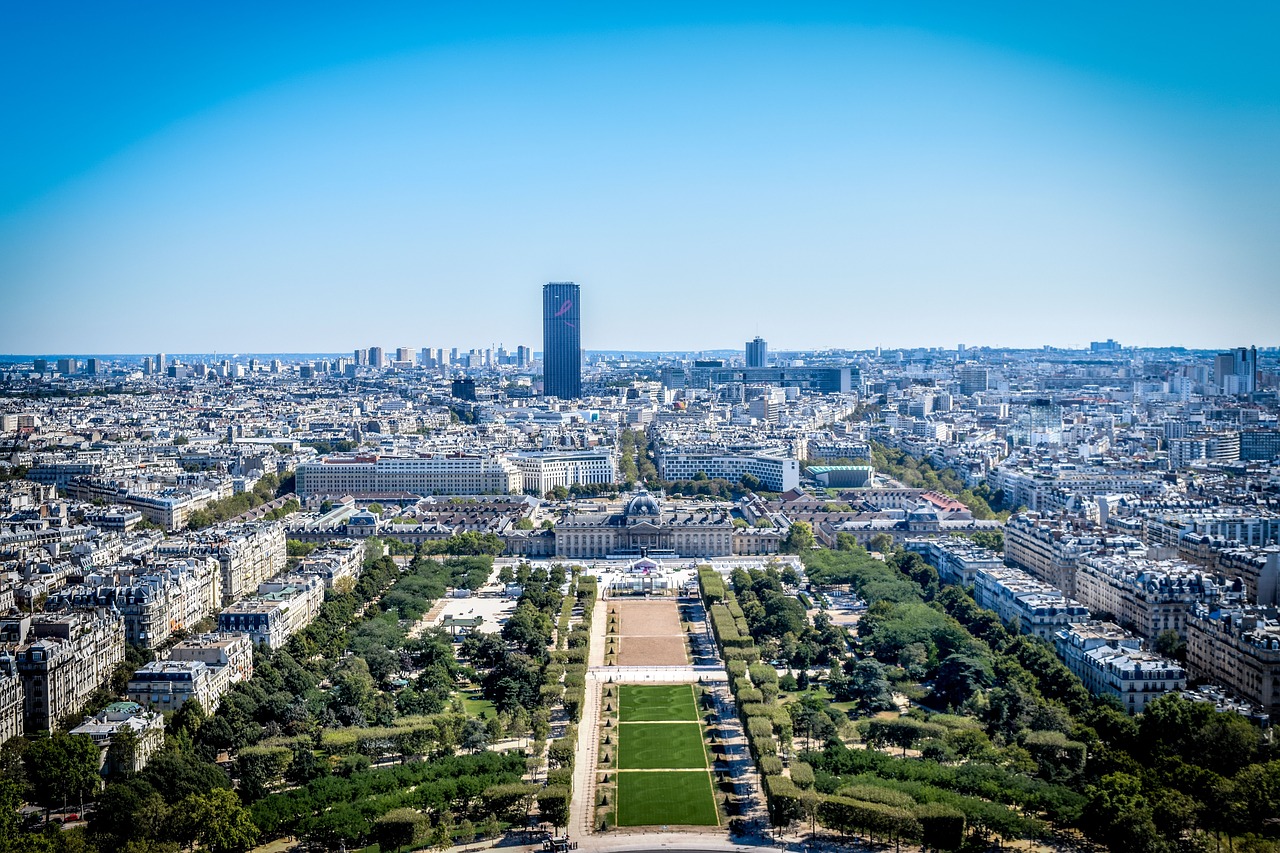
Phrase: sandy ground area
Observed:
(648, 618)
(649, 634)
(652, 651)
(494, 611)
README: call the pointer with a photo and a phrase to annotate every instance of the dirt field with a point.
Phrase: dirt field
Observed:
(652, 651)
(648, 618)
(649, 634)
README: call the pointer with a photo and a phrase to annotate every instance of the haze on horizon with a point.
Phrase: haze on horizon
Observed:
(310, 178)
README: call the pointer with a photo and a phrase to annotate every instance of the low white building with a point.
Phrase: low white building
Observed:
(119, 757)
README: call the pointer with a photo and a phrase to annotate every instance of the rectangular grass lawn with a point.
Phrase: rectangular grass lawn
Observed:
(660, 746)
(666, 798)
(642, 703)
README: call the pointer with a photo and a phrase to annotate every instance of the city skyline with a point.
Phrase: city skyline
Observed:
(896, 177)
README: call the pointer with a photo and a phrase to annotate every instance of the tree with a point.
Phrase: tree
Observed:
(881, 543)
(216, 821)
(62, 768)
(553, 805)
(799, 538)
(475, 735)
(1170, 644)
(400, 828)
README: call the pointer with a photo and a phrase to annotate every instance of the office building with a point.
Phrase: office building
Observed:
(561, 340)
(775, 473)
(757, 352)
(1235, 373)
(433, 474)
(542, 472)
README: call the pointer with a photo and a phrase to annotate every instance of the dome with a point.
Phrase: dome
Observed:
(643, 504)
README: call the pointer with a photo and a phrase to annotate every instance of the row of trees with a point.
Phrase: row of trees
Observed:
(267, 489)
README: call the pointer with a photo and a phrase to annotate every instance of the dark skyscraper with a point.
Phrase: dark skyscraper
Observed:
(757, 353)
(561, 340)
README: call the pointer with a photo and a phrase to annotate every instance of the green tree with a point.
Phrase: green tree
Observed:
(400, 828)
(62, 768)
(799, 538)
(216, 821)
(1171, 645)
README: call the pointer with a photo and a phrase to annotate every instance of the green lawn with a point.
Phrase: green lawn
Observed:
(665, 746)
(666, 798)
(643, 703)
(474, 703)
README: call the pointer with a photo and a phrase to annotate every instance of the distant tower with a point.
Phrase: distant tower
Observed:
(561, 340)
(757, 352)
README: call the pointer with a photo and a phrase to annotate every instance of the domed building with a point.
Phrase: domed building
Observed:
(645, 527)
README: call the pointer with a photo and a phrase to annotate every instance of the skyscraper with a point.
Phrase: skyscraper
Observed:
(757, 352)
(561, 340)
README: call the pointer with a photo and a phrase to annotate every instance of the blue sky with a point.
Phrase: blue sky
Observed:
(314, 177)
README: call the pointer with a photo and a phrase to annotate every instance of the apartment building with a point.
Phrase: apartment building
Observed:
(154, 604)
(279, 610)
(202, 668)
(247, 554)
(1149, 596)
(232, 652)
(957, 559)
(167, 685)
(1111, 661)
(1041, 610)
(11, 698)
(1238, 647)
(104, 728)
(61, 659)
(338, 560)
(1257, 567)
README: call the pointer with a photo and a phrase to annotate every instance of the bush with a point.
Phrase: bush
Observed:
(770, 765)
(802, 774)
(941, 826)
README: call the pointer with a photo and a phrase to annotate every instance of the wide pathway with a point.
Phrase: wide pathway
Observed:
(582, 807)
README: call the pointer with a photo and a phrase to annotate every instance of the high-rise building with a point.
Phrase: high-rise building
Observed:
(1236, 372)
(375, 358)
(404, 354)
(561, 340)
(973, 378)
(757, 352)
(161, 363)
(361, 357)
(523, 356)
(92, 366)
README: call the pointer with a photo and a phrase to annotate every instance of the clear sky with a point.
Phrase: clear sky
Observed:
(317, 176)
